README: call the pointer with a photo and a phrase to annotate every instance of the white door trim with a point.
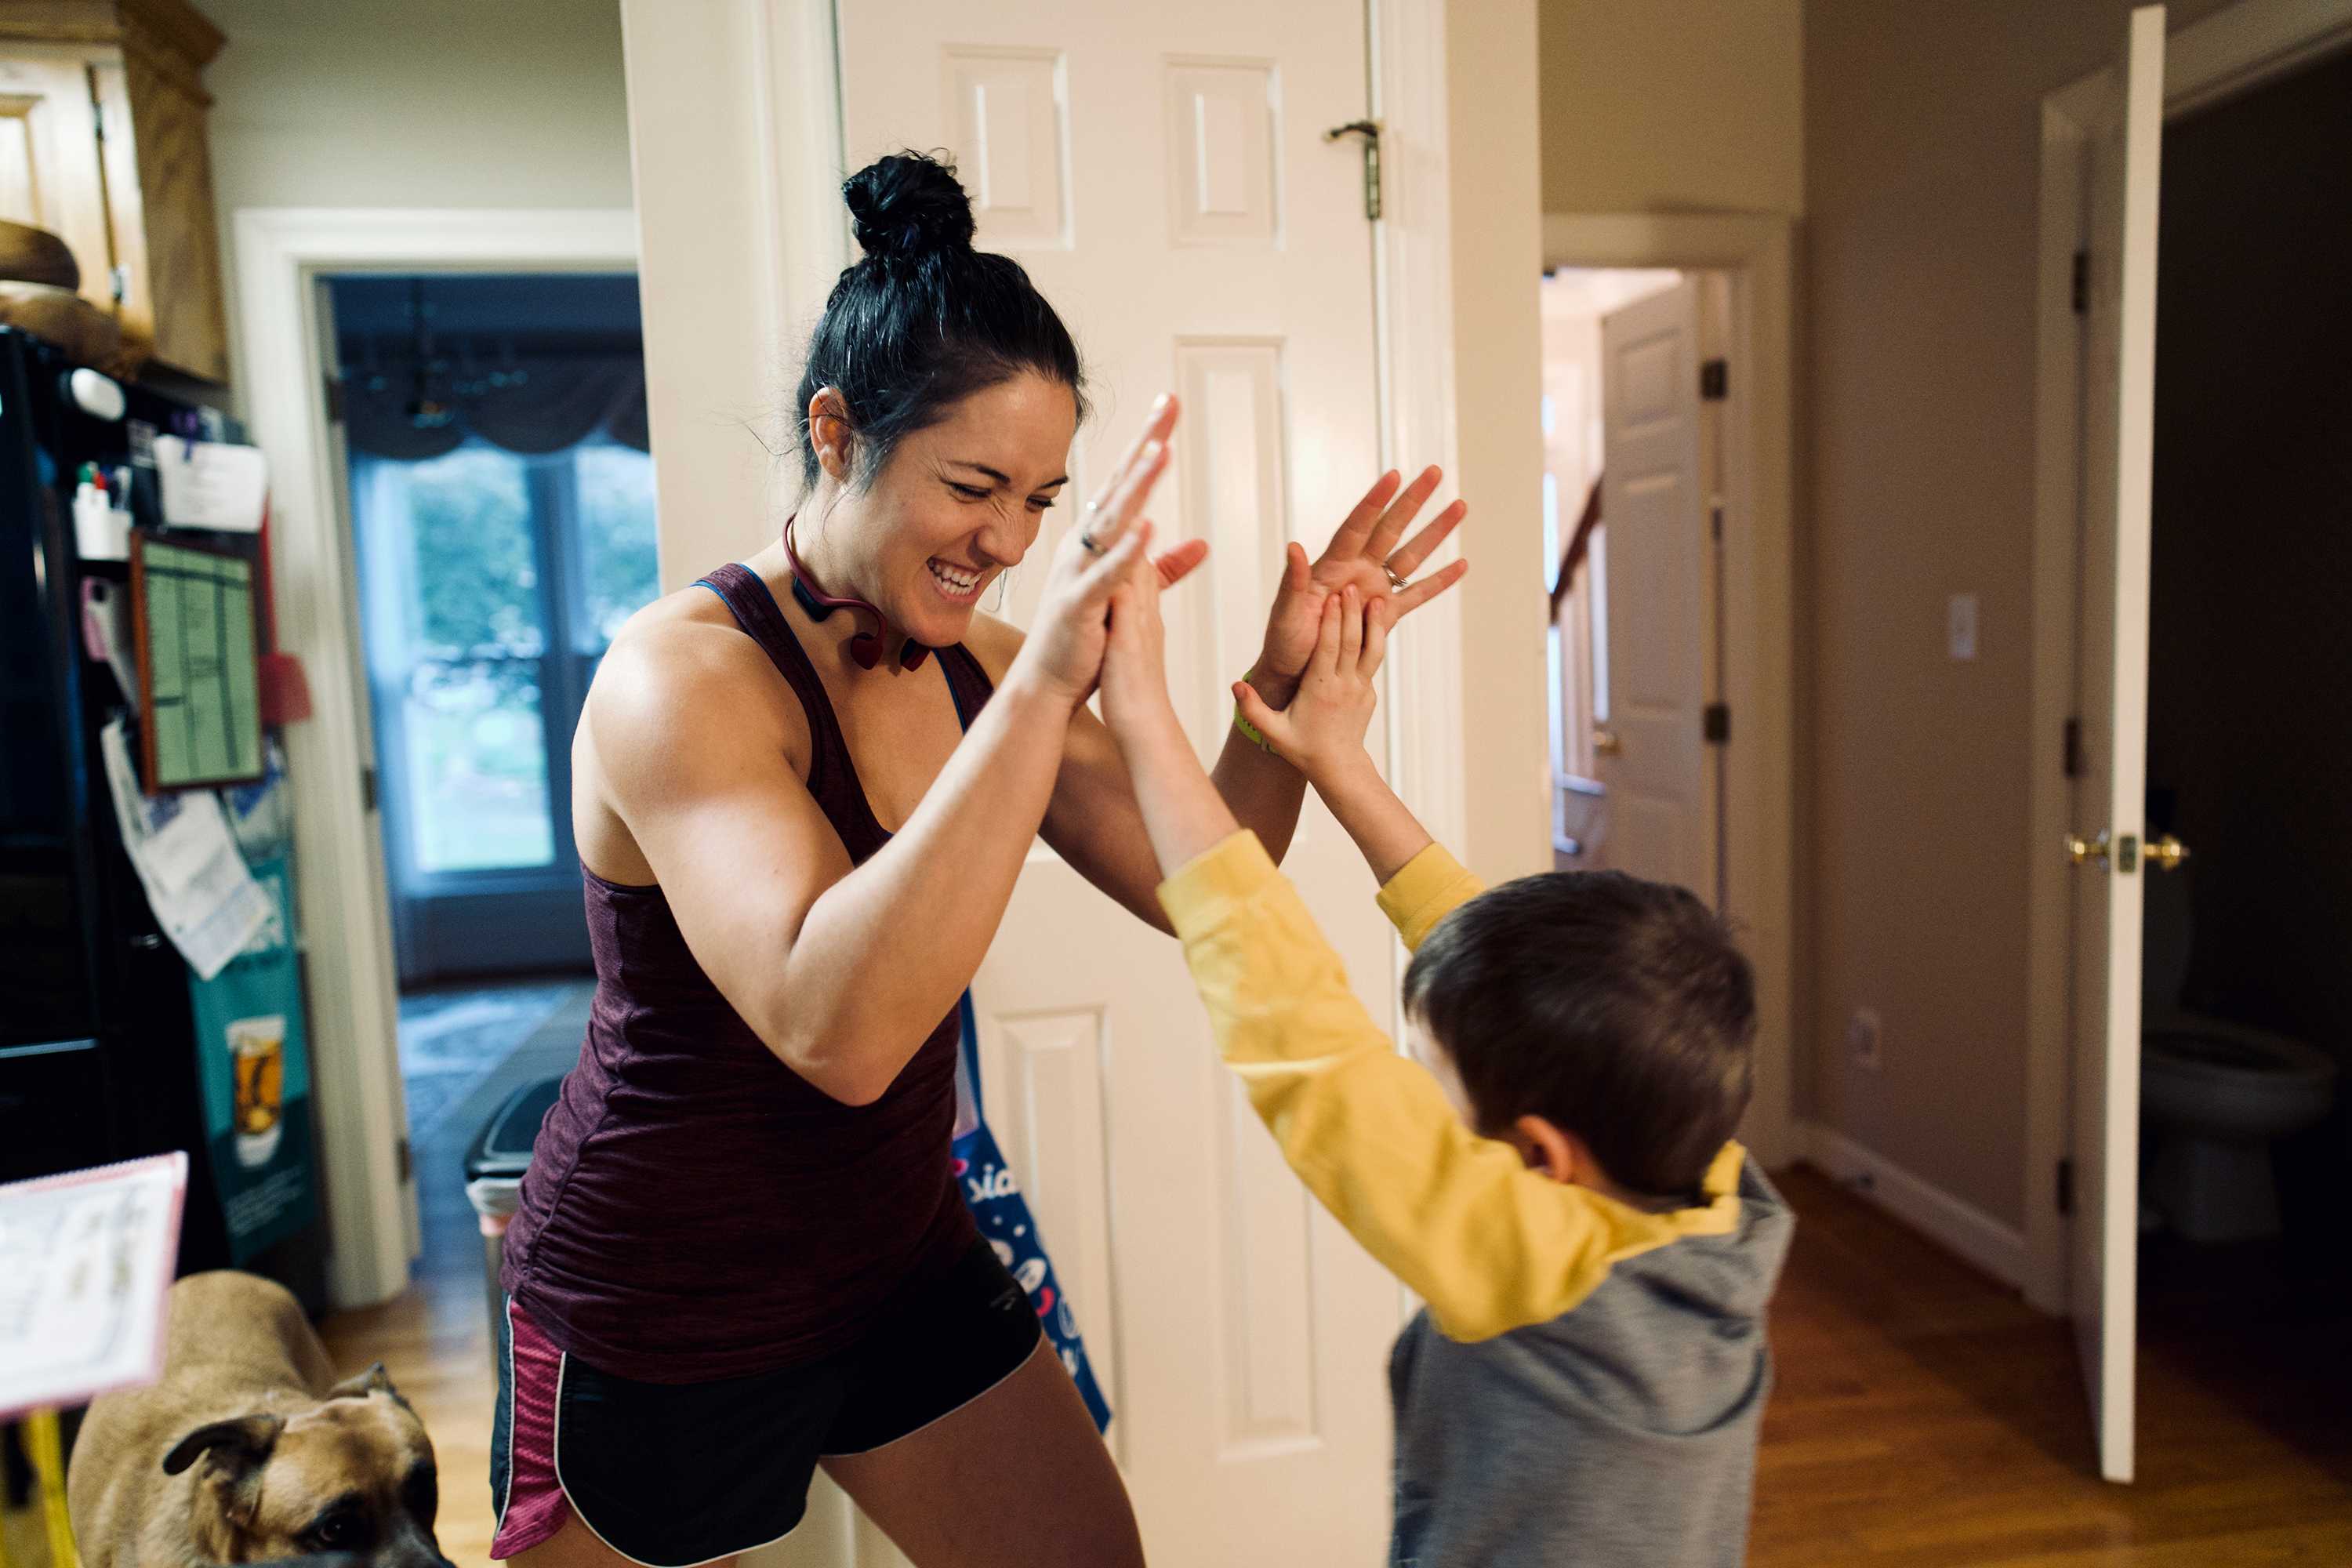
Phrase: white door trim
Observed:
(2228, 53)
(1757, 623)
(281, 252)
(1413, 289)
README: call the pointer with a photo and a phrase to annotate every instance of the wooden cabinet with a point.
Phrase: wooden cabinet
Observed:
(102, 142)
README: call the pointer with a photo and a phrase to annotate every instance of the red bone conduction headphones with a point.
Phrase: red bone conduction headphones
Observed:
(865, 648)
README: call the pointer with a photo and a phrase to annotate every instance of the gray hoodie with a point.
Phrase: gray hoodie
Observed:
(1623, 1431)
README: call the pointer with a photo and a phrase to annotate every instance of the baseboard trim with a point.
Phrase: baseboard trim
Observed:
(1960, 1228)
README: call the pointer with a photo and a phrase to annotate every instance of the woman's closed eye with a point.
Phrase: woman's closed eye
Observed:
(981, 493)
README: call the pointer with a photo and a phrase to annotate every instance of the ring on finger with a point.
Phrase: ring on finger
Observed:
(1398, 581)
(1086, 540)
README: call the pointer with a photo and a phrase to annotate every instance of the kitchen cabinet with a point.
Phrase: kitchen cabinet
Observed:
(102, 142)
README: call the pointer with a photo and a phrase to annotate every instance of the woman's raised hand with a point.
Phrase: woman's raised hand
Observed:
(1065, 648)
(1365, 554)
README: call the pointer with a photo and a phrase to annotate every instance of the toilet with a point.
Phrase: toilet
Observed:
(2213, 1094)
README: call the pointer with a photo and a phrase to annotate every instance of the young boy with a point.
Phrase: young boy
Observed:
(1553, 1172)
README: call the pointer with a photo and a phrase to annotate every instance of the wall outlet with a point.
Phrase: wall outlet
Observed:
(1862, 1040)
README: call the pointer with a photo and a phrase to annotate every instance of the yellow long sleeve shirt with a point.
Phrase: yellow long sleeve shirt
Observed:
(1490, 1245)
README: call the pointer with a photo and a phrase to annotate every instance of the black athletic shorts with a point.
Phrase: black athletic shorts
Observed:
(670, 1474)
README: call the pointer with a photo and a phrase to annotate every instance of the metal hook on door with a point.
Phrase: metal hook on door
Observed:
(1370, 130)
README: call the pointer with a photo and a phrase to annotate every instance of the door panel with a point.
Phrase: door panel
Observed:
(1660, 788)
(1161, 173)
(2119, 411)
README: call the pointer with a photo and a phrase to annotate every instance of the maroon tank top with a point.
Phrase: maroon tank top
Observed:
(694, 1209)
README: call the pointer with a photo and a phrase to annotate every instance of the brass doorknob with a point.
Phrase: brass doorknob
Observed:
(1606, 744)
(2165, 854)
(2082, 851)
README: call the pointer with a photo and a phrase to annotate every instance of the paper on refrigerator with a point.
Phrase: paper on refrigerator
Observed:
(207, 902)
(85, 1262)
(217, 485)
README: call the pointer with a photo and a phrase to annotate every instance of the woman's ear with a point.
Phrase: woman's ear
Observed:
(1560, 1156)
(830, 437)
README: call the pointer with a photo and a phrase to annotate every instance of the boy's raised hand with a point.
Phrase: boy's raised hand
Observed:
(1322, 731)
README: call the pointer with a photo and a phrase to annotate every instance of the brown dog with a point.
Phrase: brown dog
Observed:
(248, 1450)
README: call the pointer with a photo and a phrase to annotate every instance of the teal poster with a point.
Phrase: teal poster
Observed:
(253, 1063)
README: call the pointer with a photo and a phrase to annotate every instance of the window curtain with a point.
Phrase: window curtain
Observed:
(530, 405)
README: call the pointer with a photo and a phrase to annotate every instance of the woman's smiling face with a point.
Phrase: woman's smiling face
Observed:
(958, 504)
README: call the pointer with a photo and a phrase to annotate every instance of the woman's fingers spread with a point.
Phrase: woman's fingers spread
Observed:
(1348, 541)
(1428, 588)
(1405, 561)
(1105, 525)
(1405, 508)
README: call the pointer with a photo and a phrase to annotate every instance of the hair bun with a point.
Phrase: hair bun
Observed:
(909, 205)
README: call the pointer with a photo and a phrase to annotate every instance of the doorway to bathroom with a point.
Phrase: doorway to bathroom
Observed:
(2190, 890)
(2247, 944)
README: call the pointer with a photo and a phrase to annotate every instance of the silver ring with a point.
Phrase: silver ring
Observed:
(1396, 583)
(1087, 541)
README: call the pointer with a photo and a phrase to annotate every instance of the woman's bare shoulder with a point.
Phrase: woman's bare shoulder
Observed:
(680, 672)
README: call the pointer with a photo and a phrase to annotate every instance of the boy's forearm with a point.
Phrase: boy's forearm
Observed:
(1182, 812)
(1383, 828)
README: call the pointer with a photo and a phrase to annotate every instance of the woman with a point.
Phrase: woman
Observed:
(739, 1251)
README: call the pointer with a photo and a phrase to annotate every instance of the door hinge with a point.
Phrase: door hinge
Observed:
(2067, 1186)
(2074, 748)
(1715, 380)
(367, 789)
(333, 385)
(407, 1158)
(1370, 130)
(2082, 283)
(120, 279)
(1716, 724)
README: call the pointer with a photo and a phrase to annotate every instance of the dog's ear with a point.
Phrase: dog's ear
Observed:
(375, 1380)
(236, 1445)
(228, 1488)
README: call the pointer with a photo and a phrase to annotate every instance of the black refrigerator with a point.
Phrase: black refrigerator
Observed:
(98, 1060)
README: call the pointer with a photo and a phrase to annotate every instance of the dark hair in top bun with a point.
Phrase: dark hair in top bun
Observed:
(904, 206)
(924, 321)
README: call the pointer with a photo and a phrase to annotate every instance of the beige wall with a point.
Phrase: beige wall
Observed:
(429, 103)
(1921, 135)
(1693, 105)
(1497, 259)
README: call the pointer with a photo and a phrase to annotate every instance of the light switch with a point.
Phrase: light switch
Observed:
(1960, 619)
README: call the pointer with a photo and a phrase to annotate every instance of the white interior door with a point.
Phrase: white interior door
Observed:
(1651, 754)
(2119, 411)
(1163, 173)
(370, 906)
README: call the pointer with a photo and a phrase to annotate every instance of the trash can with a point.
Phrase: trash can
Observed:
(495, 1162)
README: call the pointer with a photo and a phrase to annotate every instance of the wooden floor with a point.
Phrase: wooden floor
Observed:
(1924, 1416)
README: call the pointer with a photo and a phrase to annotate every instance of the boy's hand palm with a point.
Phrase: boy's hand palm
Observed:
(1324, 726)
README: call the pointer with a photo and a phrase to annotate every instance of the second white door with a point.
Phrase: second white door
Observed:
(1652, 755)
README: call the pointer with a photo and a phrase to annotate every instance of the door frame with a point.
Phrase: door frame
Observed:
(279, 254)
(2230, 52)
(1756, 615)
